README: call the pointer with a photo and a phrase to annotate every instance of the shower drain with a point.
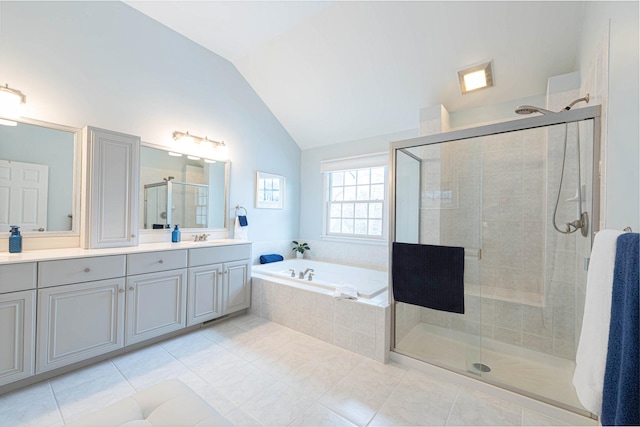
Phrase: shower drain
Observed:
(481, 367)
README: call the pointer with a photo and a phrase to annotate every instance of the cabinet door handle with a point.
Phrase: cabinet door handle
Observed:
(131, 288)
(160, 262)
(120, 291)
(87, 269)
(133, 236)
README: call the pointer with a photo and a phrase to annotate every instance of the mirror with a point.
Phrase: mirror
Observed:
(37, 177)
(183, 190)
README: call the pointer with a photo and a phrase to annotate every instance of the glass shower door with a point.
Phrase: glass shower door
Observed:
(438, 202)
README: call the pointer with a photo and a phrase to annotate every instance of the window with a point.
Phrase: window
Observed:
(356, 202)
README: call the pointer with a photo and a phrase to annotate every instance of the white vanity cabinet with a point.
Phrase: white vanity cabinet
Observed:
(205, 293)
(111, 173)
(156, 299)
(80, 309)
(17, 321)
(228, 290)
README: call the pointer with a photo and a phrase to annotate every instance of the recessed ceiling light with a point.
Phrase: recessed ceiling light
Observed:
(171, 153)
(476, 77)
(193, 157)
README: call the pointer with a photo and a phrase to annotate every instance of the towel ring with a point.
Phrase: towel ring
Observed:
(627, 230)
(240, 207)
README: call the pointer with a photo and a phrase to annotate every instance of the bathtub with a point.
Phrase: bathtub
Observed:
(370, 283)
(360, 326)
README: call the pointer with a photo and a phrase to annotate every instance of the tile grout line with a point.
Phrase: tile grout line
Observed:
(453, 404)
(55, 399)
(388, 397)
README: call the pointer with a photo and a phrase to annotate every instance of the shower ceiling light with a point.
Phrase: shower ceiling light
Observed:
(476, 77)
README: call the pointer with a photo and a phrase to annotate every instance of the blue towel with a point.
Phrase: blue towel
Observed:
(621, 395)
(266, 259)
(243, 220)
(429, 276)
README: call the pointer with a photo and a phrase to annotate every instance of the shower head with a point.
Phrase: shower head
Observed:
(585, 99)
(529, 109)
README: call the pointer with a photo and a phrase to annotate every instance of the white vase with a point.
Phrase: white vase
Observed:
(299, 255)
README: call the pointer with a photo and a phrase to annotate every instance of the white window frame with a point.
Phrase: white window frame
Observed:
(355, 163)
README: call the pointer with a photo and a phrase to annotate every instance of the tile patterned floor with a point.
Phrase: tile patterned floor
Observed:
(255, 372)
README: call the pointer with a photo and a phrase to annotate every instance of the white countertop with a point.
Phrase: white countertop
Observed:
(52, 254)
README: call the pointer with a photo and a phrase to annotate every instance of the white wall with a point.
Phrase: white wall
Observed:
(622, 159)
(105, 64)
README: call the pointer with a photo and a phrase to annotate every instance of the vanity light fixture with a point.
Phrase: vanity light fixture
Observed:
(476, 77)
(11, 102)
(171, 153)
(186, 137)
(219, 146)
(209, 161)
(193, 157)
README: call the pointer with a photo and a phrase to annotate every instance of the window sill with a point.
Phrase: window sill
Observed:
(356, 240)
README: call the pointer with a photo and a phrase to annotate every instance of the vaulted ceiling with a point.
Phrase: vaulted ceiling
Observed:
(341, 71)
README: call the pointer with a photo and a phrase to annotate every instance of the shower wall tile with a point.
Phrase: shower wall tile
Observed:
(563, 324)
(502, 208)
(508, 336)
(407, 317)
(564, 349)
(533, 259)
(508, 315)
(501, 185)
(503, 278)
(561, 265)
(537, 321)
(488, 310)
(537, 343)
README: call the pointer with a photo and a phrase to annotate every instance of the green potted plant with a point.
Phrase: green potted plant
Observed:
(300, 248)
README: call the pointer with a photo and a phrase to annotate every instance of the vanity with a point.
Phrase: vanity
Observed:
(99, 275)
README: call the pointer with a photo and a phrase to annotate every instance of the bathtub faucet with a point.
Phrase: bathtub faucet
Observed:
(302, 274)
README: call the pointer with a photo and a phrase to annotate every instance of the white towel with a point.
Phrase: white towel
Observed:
(239, 232)
(345, 291)
(591, 356)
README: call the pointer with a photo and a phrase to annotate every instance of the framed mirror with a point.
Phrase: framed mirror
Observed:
(39, 178)
(179, 189)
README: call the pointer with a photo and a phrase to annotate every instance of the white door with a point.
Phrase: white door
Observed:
(23, 195)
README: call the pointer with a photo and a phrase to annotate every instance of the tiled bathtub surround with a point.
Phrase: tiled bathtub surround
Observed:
(356, 325)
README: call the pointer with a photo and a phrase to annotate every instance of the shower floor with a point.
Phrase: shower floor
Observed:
(530, 371)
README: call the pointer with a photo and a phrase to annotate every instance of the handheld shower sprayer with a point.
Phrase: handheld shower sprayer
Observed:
(582, 223)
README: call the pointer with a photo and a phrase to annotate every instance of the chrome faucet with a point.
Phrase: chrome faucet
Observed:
(302, 274)
(200, 237)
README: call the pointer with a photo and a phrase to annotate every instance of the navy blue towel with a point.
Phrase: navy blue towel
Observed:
(429, 276)
(266, 259)
(621, 394)
(243, 220)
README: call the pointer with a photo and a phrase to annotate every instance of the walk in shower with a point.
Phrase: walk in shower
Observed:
(521, 197)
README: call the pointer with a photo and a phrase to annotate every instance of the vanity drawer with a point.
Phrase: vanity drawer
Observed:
(216, 254)
(150, 262)
(17, 277)
(78, 270)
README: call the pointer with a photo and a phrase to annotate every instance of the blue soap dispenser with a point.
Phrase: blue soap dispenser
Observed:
(175, 235)
(15, 240)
